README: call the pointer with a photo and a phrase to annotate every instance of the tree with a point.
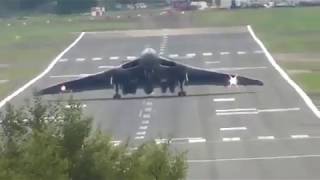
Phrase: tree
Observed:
(74, 6)
(49, 141)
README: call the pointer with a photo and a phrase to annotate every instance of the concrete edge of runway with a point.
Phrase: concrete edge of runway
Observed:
(284, 75)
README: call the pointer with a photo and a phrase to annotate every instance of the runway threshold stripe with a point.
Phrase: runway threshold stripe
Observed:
(233, 128)
(265, 137)
(223, 99)
(230, 139)
(256, 158)
(114, 57)
(284, 75)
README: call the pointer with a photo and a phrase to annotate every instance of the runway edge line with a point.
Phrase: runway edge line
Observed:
(285, 76)
(32, 81)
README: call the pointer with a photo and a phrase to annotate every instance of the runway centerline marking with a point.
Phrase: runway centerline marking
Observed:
(173, 55)
(234, 128)
(231, 139)
(223, 99)
(80, 59)
(146, 116)
(266, 137)
(207, 54)
(141, 133)
(107, 67)
(139, 137)
(131, 58)
(191, 54)
(97, 59)
(114, 57)
(145, 122)
(237, 109)
(241, 52)
(300, 136)
(148, 109)
(224, 53)
(258, 52)
(143, 127)
(64, 60)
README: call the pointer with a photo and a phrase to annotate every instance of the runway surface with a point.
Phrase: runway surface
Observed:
(239, 132)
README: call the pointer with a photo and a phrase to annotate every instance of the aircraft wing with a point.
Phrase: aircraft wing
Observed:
(195, 76)
(94, 82)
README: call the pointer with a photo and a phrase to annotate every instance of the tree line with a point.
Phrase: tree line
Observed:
(48, 141)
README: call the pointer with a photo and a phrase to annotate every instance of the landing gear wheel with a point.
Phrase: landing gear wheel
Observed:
(182, 93)
(117, 96)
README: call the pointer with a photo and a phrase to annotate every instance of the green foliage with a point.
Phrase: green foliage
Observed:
(48, 141)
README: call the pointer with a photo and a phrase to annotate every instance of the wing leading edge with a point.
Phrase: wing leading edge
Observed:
(94, 82)
(196, 76)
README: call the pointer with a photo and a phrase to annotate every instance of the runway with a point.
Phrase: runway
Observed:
(239, 132)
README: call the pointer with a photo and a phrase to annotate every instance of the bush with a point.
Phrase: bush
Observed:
(48, 141)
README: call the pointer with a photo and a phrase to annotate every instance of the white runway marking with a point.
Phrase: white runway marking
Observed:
(149, 103)
(285, 76)
(130, 58)
(300, 136)
(241, 52)
(70, 76)
(3, 81)
(64, 60)
(258, 52)
(212, 62)
(80, 59)
(141, 133)
(148, 109)
(143, 127)
(173, 55)
(146, 116)
(231, 139)
(279, 110)
(207, 54)
(234, 129)
(161, 141)
(224, 53)
(145, 122)
(139, 137)
(114, 57)
(197, 140)
(248, 111)
(265, 137)
(107, 67)
(191, 55)
(140, 113)
(256, 158)
(238, 68)
(223, 99)
(97, 59)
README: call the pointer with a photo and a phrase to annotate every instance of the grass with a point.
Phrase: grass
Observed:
(283, 30)
(29, 48)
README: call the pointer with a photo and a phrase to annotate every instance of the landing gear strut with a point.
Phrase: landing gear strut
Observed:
(117, 95)
(181, 92)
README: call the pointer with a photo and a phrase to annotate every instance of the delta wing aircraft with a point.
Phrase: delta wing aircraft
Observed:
(148, 72)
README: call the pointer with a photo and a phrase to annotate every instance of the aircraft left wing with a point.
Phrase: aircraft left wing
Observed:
(94, 82)
(195, 76)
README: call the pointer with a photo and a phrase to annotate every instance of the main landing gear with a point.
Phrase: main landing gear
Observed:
(181, 92)
(117, 95)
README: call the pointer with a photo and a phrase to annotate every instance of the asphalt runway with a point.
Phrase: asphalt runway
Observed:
(239, 132)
